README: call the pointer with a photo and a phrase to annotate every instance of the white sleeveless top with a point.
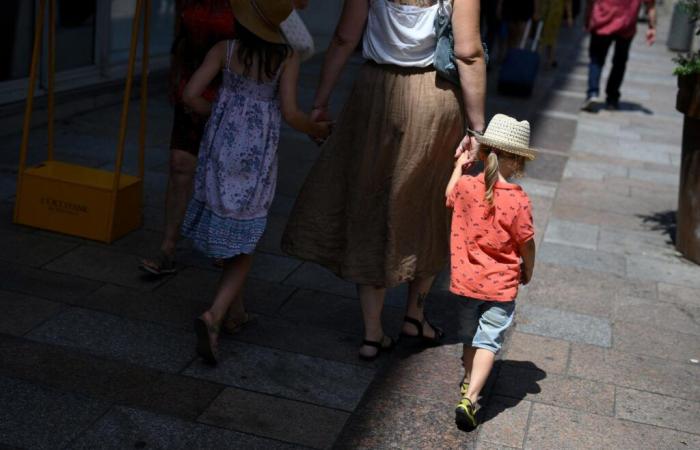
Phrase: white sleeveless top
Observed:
(402, 35)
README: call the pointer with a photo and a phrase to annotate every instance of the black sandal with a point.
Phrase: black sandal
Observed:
(379, 346)
(435, 340)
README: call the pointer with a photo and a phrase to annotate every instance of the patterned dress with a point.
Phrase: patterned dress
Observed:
(237, 167)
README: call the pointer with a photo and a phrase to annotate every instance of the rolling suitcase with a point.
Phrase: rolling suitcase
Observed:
(519, 70)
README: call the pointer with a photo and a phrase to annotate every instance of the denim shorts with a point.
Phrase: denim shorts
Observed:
(484, 323)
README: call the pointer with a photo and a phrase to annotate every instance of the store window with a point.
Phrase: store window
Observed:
(162, 23)
(92, 42)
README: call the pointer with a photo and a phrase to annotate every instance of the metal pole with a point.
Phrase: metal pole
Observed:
(52, 76)
(38, 26)
(125, 112)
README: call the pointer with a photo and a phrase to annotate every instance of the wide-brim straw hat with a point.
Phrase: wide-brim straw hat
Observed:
(263, 17)
(509, 135)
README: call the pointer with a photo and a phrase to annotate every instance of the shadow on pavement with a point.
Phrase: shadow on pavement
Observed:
(662, 221)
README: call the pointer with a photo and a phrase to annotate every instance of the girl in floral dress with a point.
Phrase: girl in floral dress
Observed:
(237, 167)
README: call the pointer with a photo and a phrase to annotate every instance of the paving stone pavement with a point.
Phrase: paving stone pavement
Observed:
(603, 353)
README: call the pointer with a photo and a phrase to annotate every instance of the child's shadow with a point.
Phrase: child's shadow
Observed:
(511, 382)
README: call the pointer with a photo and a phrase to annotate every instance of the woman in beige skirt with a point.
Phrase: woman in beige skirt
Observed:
(372, 209)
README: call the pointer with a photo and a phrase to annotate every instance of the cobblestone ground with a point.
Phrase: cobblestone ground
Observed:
(95, 355)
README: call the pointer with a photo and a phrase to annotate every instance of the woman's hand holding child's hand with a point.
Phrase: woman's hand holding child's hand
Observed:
(321, 131)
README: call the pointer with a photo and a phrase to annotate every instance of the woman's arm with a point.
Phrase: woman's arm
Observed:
(210, 68)
(469, 54)
(345, 39)
(288, 101)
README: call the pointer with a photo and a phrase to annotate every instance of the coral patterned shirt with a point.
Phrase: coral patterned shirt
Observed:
(484, 242)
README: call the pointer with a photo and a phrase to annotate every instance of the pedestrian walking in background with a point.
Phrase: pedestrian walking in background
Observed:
(237, 167)
(493, 250)
(370, 210)
(199, 24)
(613, 21)
(552, 12)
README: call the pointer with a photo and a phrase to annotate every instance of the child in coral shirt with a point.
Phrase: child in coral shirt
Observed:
(492, 249)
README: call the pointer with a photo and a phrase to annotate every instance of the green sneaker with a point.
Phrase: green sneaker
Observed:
(464, 388)
(465, 415)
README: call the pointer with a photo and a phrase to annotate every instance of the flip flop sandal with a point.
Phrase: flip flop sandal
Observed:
(164, 265)
(203, 329)
(231, 326)
(420, 337)
(379, 346)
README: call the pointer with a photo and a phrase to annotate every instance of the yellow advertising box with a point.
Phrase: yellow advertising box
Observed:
(78, 200)
(73, 199)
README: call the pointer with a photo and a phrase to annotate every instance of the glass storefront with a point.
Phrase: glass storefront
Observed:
(92, 40)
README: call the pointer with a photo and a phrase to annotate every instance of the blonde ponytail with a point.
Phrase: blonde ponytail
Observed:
(490, 176)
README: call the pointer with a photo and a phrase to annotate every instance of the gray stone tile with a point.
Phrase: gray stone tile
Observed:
(602, 188)
(111, 381)
(665, 343)
(44, 284)
(103, 264)
(559, 390)
(635, 371)
(685, 319)
(41, 418)
(15, 248)
(612, 202)
(651, 176)
(273, 268)
(582, 291)
(566, 325)
(659, 410)
(21, 313)
(583, 214)
(678, 294)
(547, 354)
(259, 414)
(557, 428)
(132, 428)
(572, 233)
(637, 243)
(508, 425)
(331, 312)
(289, 375)
(538, 188)
(312, 276)
(679, 272)
(199, 286)
(547, 166)
(101, 334)
(589, 170)
(593, 260)
(282, 334)
(379, 424)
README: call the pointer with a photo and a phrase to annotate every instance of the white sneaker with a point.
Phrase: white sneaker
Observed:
(589, 104)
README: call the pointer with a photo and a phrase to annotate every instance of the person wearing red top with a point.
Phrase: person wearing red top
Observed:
(612, 21)
(199, 24)
(492, 250)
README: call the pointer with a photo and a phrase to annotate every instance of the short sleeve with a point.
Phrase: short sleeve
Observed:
(523, 229)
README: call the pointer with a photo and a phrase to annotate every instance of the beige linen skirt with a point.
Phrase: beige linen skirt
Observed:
(372, 209)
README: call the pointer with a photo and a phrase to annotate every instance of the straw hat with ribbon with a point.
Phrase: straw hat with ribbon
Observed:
(507, 134)
(263, 17)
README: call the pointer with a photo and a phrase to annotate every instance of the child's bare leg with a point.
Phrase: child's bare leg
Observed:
(480, 370)
(230, 286)
(467, 361)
